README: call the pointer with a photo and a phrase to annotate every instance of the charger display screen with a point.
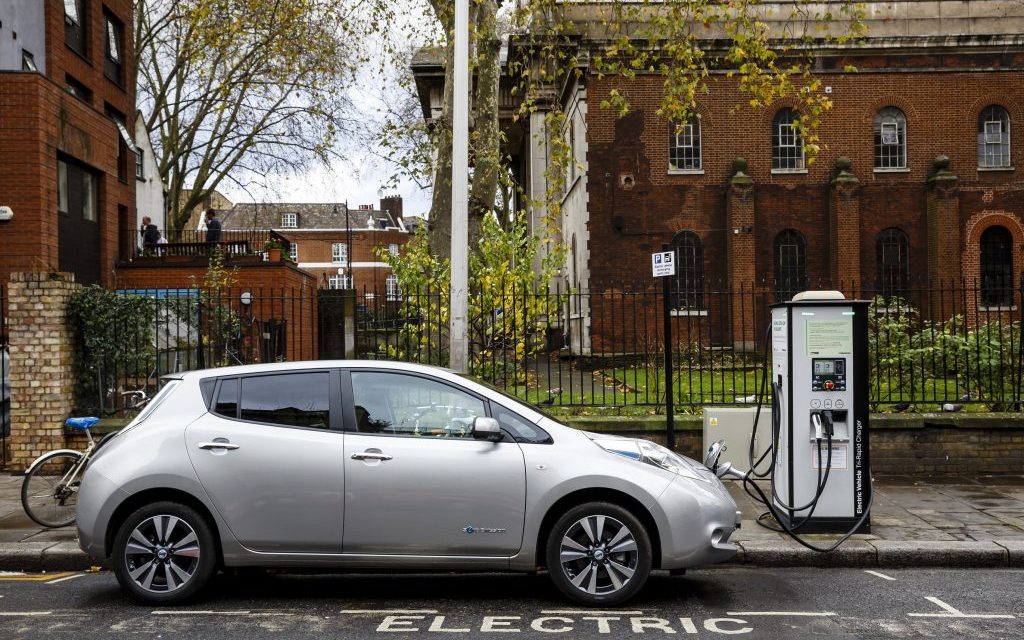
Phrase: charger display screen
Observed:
(824, 367)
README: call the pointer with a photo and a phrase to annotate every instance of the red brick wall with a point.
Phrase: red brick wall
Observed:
(315, 246)
(658, 204)
(41, 120)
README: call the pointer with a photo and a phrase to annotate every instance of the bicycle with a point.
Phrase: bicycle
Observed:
(49, 492)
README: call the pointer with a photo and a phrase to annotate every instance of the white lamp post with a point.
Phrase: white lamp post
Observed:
(459, 295)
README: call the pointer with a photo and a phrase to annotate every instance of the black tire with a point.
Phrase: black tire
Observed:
(609, 569)
(187, 561)
(45, 498)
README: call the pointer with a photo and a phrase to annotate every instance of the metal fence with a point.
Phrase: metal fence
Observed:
(930, 343)
(157, 244)
(590, 346)
(5, 379)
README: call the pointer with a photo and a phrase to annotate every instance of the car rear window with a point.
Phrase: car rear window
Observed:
(300, 399)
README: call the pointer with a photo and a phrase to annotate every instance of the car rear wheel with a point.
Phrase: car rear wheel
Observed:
(164, 553)
(598, 553)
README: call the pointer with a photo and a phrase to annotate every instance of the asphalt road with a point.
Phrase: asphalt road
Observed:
(718, 602)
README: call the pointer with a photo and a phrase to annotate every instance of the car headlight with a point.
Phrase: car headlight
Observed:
(659, 456)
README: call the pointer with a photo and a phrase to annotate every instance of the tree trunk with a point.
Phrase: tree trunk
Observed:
(440, 219)
(487, 134)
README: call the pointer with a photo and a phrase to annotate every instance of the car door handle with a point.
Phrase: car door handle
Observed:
(218, 445)
(369, 455)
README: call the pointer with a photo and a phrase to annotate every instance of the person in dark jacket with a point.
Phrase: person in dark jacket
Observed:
(150, 234)
(212, 228)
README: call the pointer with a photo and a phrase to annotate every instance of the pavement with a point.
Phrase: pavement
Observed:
(943, 521)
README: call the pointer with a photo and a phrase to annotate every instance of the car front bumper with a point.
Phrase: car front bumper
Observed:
(701, 516)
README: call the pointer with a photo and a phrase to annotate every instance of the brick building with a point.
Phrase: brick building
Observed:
(916, 184)
(321, 244)
(67, 106)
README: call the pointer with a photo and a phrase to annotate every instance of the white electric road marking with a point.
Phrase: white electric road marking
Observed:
(952, 612)
(880, 575)
(590, 612)
(805, 614)
(362, 612)
(71, 577)
(199, 612)
(12, 614)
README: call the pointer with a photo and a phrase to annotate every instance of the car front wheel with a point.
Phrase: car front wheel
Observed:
(164, 553)
(598, 553)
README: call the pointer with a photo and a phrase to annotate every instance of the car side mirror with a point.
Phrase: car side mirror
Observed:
(485, 428)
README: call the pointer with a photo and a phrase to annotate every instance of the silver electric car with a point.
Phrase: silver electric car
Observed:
(384, 465)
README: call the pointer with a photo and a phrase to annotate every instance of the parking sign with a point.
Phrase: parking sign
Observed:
(663, 263)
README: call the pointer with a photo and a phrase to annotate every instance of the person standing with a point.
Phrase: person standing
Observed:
(212, 229)
(150, 234)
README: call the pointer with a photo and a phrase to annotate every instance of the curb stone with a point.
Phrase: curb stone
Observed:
(1015, 548)
(23, 556)
(933, 553)
(784, 553)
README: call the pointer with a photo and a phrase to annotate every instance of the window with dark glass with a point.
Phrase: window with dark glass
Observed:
(787, 143)
(289, 399)
(893, 263)
(994, 138)
(996, 267)
(790, 264)
(77, 89)
(76, 191)
(890, 139)
(684, 146)
(403, 405)
(112, 48)
(227, 399)
(124, 142)
(74, 25)
(688, 284)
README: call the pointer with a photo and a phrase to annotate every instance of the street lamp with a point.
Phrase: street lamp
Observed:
(348, 246)
(458, 343)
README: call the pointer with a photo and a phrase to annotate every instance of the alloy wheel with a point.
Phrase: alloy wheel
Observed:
(598, 554)
(162, 554)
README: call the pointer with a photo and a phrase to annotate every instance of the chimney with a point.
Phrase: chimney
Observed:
(393, 205)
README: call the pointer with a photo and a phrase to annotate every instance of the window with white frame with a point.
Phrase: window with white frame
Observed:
(339, 253)
(393, 248)
(293, 251)
(787, 143)
(994, 138)
(289, 220)
(684, 146)
(391, 289)
(340, 282)
(890, 139)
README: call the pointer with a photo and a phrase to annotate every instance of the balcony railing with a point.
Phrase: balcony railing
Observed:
(169, 243)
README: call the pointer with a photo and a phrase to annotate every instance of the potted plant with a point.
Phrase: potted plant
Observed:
(273, 249)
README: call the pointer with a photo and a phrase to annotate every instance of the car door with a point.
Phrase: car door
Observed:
(269, 455)
(417, 482)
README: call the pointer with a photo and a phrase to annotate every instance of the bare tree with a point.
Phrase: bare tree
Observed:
(236, 89)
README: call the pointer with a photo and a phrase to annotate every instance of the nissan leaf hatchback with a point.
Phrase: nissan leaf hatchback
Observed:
(385, 465)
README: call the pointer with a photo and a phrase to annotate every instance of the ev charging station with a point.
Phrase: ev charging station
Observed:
(818, 450)
(819, 376)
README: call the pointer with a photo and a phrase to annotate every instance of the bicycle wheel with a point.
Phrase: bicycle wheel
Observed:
(46, 496)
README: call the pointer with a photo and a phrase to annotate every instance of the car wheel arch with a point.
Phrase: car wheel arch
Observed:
(599, 494)
(149, 496)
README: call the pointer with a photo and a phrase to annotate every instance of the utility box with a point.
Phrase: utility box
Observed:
(733, 425)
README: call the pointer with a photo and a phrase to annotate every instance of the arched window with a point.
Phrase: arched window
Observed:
(790, 264)
(892, 263)
(996, 267)
(890, 139)
(993, 137)
(787, 144)
(688, 287)
(684, 146)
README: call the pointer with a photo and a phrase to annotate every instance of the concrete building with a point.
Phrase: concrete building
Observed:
(917, 181)
(322, 245)
(66, 152)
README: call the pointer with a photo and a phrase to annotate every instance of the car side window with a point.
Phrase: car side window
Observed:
(521, 429)
(397, 404)
(300, 399)
(227, 399)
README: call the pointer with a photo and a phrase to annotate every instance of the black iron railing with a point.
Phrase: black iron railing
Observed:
(159, 244)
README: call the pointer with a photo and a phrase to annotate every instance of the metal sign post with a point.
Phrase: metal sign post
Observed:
(663, 265)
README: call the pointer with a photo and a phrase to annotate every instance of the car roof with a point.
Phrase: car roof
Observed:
(270, 367)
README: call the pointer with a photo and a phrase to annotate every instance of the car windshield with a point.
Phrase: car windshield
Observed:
(518, 401)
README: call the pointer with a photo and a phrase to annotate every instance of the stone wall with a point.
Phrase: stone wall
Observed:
(42, 378)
